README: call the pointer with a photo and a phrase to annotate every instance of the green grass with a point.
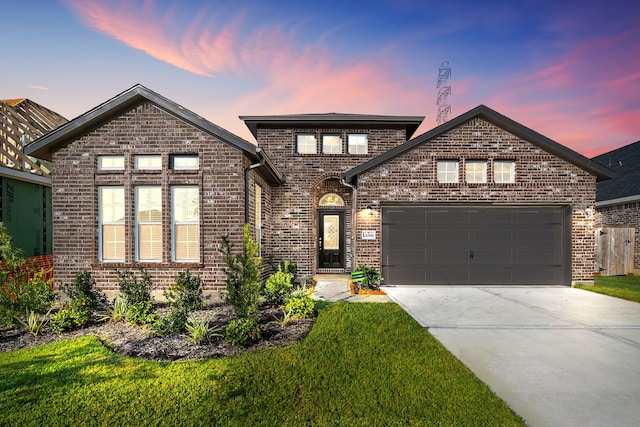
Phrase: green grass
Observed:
(361, 365)
(625, 287)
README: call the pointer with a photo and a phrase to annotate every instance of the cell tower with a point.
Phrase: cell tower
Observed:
(444, 90)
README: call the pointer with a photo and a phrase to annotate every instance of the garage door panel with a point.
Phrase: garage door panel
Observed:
(476, 245)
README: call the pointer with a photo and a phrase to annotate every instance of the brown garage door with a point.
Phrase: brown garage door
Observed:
(476, 245)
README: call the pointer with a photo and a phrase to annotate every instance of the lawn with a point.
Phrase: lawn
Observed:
(625, 287)
(361, 365)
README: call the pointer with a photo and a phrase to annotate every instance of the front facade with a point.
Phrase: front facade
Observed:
(478, 200)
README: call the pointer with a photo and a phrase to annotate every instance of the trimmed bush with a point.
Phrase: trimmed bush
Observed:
(278, 287)
(84, 300)
(242, 332)
(300, 304)
(137, 292)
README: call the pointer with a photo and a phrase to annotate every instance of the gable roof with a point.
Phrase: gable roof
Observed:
(136, 95)
(410, 123)
(625, 161)
(503, 122)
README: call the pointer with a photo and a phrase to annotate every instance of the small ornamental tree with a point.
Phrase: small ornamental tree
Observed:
(243, 276)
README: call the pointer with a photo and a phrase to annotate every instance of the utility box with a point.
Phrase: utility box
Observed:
(25, 210)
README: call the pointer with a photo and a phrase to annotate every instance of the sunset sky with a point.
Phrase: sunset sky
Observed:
(567, 69)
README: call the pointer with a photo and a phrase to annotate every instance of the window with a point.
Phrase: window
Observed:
(185, 214)
(504, 171)
(476, 171)
(331, 144)
(148, 162)
(331, 199)
(106, 163)
(148, 230)
(258, 218)
(185, 162)
(357, 143)
(447, 171)
(111, 245)
(306, 143)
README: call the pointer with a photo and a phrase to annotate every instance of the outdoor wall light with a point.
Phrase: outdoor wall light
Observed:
(369, 210)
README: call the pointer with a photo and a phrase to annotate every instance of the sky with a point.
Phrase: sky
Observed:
(569, 70)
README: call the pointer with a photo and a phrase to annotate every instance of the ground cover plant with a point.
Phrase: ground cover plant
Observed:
(625, 287)
(361, 365)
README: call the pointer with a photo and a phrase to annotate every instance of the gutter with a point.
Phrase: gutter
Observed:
(246, 183)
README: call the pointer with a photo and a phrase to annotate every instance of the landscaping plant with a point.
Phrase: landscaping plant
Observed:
(243, 276)
(137, 293)
(21, 291)
(300, 304)
(278, 287)
(373, 277)
(183, 298)
(198, 331)
(84, 300)
(242, 332)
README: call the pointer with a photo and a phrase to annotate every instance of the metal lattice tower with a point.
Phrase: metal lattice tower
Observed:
(444, 90)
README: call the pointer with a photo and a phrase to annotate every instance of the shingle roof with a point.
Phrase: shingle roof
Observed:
(410, 123)
(44, 147)
(625, 161)
(503, 122)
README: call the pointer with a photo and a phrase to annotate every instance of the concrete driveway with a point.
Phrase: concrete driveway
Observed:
(558, 356)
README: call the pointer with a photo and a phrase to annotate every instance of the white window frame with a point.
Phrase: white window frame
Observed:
(474, 176)
(114, 223)
(358, 143)
(110, 162)
(499, 171)
(185, 162)
(177, 223)
(139, 224)
(331, 140)
(448, 171)
(308, 142)
(149, 162)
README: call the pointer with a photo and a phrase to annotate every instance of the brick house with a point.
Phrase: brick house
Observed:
(140, 181)
(618, 199)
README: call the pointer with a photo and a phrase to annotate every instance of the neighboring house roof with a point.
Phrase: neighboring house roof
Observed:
(410, 123)
(21, 121)
(602, 173)
(625, 161)
(136, 95)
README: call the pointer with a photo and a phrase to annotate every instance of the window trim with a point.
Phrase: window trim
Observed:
(307, 134)
(101, 157)
(350, 144)
(512, 163)
(137, 157)
(475, 162)
(174, 223)
(457, 170)
(137, 225)
(102, 223)
(336, 135)
(173, 157)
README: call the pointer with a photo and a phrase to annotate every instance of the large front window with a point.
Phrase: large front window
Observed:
(148, 236)
(111, 224)
(185, 216)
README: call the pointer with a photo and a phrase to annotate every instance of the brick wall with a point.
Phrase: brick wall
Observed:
(294, 205)
(541, 178)
(626, 214)
(144, 130)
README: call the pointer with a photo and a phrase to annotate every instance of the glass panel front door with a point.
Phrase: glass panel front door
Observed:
(331, 239)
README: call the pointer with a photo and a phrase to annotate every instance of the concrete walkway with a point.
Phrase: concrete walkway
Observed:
(558, 356)
(335, 287)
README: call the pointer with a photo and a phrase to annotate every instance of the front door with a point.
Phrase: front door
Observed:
(331, 239)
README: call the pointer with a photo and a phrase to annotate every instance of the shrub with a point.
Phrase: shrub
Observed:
(183, 297)
(300, 304)
(243, 276)
(71, 316)
(242, 332)
(20, 294)
(372, 275)
(137, 293)
(83, 301)
(278, 287)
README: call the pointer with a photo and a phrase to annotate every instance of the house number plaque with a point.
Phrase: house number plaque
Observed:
(369, 235)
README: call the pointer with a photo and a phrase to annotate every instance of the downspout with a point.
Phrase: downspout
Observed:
(354, 219)
(246, 183)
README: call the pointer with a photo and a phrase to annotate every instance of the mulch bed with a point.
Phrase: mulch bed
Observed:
(137, 341)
